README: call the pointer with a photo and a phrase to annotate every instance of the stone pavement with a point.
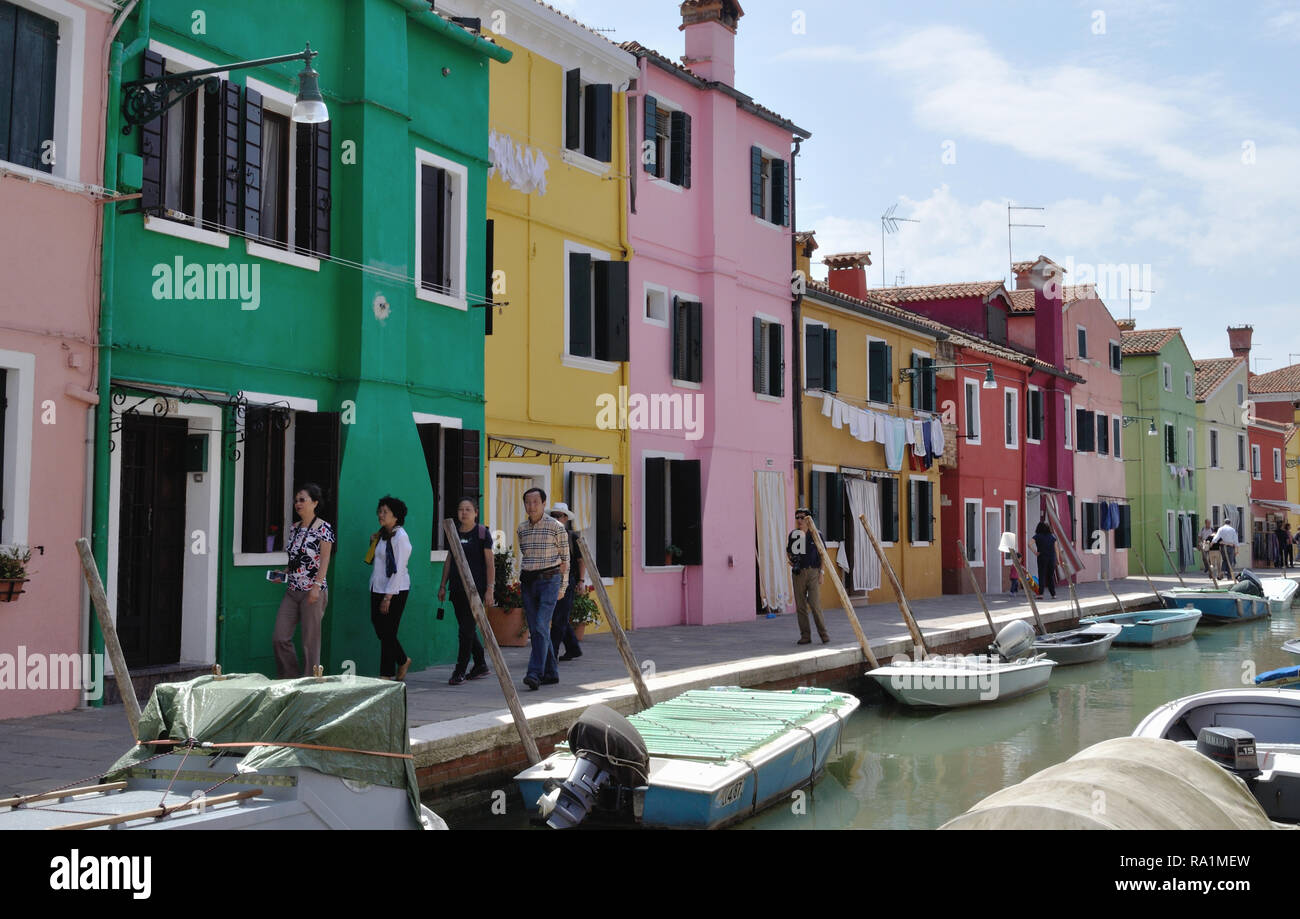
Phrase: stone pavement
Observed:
(45, 751)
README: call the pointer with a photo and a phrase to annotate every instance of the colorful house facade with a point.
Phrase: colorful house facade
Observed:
(272, 310)
(1275, 398)
(1224, 486)
(710, 212)
(51, 100)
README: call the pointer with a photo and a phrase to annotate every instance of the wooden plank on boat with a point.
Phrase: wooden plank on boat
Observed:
(616, 627)
(1169, 558)
(1029, 592)
(114, 648)
(66, 793)
(155, 812)
(912, 627)
(970, 572)
(452, 533)
(827, 565)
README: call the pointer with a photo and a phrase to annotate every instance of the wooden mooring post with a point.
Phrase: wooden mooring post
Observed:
(844, 596)
(114, 648)
(1169, 558)
(1148, 577)
(616, 627)
(970, 572)
(917, 639)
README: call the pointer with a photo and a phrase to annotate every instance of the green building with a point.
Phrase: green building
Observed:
(288, 302)
(1160, 467)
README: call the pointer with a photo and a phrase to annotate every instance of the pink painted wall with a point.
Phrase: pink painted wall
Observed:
(49, 308)
(704, 242)
(1095, 477)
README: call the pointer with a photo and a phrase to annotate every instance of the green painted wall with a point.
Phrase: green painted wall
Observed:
(316, 335)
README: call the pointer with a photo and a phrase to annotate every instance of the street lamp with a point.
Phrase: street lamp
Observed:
(1134, 419)
(907, 373)
(145, 99)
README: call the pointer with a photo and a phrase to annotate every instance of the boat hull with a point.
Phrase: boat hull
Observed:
(1152, 628)
(1281, 593)
(939, 682)
(1079, 646)
(1217, 606)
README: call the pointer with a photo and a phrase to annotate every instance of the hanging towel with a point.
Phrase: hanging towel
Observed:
(828, 404)
(882, 428)
(837, 415)
(866, 426)
(936, 438)
(895, 444)
(927, 436)
(855, 424)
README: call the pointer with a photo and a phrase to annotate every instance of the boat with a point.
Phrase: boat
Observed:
(1280, 592)
(1292, 646)
(1084, 645)
(244, 752)
(1244, 601)
(1282, 676)
(702, 760)
(952, 681)
(1153, 628)
(1254, 734)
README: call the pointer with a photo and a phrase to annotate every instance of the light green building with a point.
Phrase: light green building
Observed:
(1223, 445)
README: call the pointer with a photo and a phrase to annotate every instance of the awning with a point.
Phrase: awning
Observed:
(1280, 505)
(524, 447)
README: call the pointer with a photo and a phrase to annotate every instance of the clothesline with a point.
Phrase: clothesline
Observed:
(923, 435)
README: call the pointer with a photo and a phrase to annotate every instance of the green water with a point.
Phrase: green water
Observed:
(901, 768)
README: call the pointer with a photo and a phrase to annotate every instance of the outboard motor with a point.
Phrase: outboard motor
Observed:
(1248, 583)
(1015, 640)
(608, 751)
(1231, 748)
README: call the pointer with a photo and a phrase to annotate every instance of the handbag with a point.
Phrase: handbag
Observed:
(370, 553)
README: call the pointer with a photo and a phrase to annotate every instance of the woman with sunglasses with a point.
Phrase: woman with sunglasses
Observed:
(311, 540)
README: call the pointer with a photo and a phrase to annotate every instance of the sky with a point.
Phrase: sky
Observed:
(1161, 139)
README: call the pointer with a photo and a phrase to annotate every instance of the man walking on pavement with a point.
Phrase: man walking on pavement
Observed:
(806, 564)
(543, 578)
(1226, 540)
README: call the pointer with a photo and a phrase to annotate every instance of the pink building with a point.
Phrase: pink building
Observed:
(50, 211)
(711, 201)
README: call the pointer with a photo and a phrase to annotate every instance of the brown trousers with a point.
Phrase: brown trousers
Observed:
(295, 610)
(807, 587)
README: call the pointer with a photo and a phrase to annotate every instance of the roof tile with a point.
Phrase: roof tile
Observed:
(1210, 373)
(1145, 341)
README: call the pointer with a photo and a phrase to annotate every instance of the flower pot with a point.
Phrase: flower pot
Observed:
(10, 588)
(508, 626)
(668, 558)
(579, 630)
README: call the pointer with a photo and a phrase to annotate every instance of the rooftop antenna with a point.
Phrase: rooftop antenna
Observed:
(900, 279)
(1011, 275)
(1288, 358)
(889, 224)
(1130, 298)
(1258, 359)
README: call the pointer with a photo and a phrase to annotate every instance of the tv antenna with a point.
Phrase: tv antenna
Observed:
(1258, 359)
(1130, 298)
(889, 224)
(1011, 275)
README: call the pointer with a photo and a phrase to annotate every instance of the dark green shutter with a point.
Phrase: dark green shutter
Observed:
(599, 102)
(8, 28)
(611, 311)
(832, 360)
(680, 332)
(815, 498)
(35, 74)
(929, 385)
(776, 360)
(780, 204)
(312, 191)
(650, 127)
(252, 157)
(758, 354)
(877, 372)
(656, 501)
(928, 512)
(917, 383)
(432, 189)
(814, 355)
(580, 304)
(228, 157)
(695, 339)
(153, 143)
(888, 509)
(835, 507)
(609, 525)
(572, 114)
(1123, 533)
(471, 465)
(756, 181)
(679, 165)
(686, 150)
(688, 527)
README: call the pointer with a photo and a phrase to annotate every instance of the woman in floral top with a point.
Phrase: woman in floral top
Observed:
(310, 541)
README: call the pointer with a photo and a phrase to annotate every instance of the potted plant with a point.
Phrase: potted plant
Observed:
(585, 612)
(672, 554)
(507, 617)
(13, 571)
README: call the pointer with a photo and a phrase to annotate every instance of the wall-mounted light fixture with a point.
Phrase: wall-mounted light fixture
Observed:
(906, 373)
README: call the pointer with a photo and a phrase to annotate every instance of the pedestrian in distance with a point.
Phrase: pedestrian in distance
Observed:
(1015, 575)
(1045, 548)
(390, 586)
(543, 579)
(476, 543)
(561, 628)
(1205, 541)
(1225, 540)
(806, 566)
(311, 540)
(1285, 544)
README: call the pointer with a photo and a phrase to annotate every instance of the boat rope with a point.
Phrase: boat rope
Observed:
(166, 811)
(641, 716)
(614, 760)
(22, 800)
(189, 748)
(208, 745)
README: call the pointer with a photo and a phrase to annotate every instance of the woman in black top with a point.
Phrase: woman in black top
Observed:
(1045, 543)
(476, 542)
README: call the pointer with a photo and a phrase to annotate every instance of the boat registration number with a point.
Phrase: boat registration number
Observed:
(730, 794)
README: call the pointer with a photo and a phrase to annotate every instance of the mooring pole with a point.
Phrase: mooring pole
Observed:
(912, 627)
(114, 648)
(961, 548)
(844, 596)
(616, 627)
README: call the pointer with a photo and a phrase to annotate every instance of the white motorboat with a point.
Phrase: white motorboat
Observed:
(1292, 646)
(1280, 592)
(1083, 645)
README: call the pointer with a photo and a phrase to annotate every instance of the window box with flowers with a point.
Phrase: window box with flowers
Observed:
(13, 571)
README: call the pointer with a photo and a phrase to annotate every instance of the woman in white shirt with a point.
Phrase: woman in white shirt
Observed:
(390, 585)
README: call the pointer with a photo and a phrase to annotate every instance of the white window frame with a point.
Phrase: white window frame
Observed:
(1167, 377)
(889, 374)
(1105, 420)
(768, 155)
(647, 289)
(934, 488)
(1214, 449)
(1083, 355)
(578, 361)
(1116, 437)
(978, 561)
(296, 404)
(281, 103)
(20, 383)
(1256, 463)
(1010, 524)
(767, 343)
(460, 245)
(669, 106)
(1117, 349)
(444, 421)
(1029, 391)
(668, 520)
(803, 365)
(672, 343)
(969, 384)
(1277, 464)
(1011, 415)
(587, 469)
(1069, 425)
(1189, 386)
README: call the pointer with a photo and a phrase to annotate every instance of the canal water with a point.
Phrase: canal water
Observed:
(901, 768)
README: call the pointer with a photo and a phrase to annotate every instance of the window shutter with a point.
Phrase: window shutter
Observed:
(779, 191)
(677, 148)
(913, 515)
(611, 311)
(930, 397)
(1103, 435)
(776, 360)
(832, 360)
(446, 459)
(888, 510)
(758, 354)
(8, 27)
(681, 333)
(312, 191)
(756, 181)
(470, 465)
(432, 183)
(928, 511)
(688, 529)
(316, 457)
(1123, 533)
(609, 526)
(572, 114)
(695, 363)
(227, 157)
(815, 498)
(651, 119)
(1081, 430)
(35, 72)
(488, 260)
(580, 304)
(814, 354)
(918, 384)
(686, 150)
(252, 162)
(152, 142)
(1171, 454)
(656, 535)
(876, 371)
(599, 100)
(835, 507)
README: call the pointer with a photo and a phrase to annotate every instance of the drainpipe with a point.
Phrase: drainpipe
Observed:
(796, 364)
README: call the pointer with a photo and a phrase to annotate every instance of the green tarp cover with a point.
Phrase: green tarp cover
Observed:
(358, 713)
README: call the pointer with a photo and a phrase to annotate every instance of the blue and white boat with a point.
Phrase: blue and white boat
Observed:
(1153, 628)
(1282, 677)
(708, 758)
(1244, 601)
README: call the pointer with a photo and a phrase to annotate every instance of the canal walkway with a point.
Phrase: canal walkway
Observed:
(461, 732)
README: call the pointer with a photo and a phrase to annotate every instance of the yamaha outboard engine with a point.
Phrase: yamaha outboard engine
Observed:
(609, 752)
(1231, 748)
(1015, 640)
(1248, 583)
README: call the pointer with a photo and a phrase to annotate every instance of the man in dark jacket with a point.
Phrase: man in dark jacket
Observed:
(806, 565)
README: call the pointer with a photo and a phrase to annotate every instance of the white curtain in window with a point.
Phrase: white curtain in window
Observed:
(275, 139)
(864, 498)
(509, 511)
(776, 588)
(583, 504)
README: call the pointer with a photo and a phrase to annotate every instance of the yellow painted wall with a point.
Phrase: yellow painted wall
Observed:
(530, 392)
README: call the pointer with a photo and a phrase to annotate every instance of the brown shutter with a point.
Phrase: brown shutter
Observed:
(252, 162)
(152, 143)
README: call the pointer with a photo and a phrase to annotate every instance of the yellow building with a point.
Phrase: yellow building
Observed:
(557, 254)
(850, 353)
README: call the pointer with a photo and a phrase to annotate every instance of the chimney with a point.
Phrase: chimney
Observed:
(1021, 272)
(848, 273)
(1239, 340)
(1048, 280)
(710, 27)
(1126, 325)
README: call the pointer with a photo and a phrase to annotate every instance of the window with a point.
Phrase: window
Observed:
(974, 530)
(1034, 415)
(1116, 357)
(1086, 422)
(889, 528)
(1277, 464)
(295, 175)
(1241, 452)
(283, 448)
(666, 147)
(1115, 438)
(996, 319)
(1124, 532)
(880, 372)
(1010, 520)
(972, 388)
(1168, 377)
(1255, 472)
(1191, 449)
(453, 460)
(1083, 342)
(921, 511)
(1171, 447)
(769, 357)
(588, 114)
(440, 229)
(688, 340)
(826, 501)
(1214, 449)
(1011, 413)
(1241, 395)
(924, 384)
(597, 311)
(598, 497)
(1069, 425)
(17, 375)
(672, 510)
(1091, 536)
(656, 305)
(29, 58)
(769, 187)
(1103, 435)
(1188, 386)
(821, 353)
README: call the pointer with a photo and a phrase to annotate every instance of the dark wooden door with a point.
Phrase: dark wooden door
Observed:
(151, 540)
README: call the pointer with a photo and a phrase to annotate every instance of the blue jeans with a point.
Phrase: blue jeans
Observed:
(539, 606)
